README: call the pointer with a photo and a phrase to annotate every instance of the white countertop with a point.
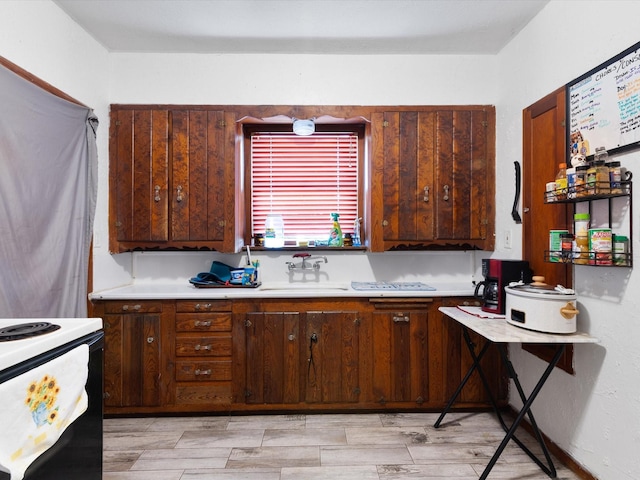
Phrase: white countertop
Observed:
(498, 330)
(160, 291)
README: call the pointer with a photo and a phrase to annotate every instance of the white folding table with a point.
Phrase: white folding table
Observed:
(496, 331)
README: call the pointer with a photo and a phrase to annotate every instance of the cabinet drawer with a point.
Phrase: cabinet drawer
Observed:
(133, 307)
(199, 306)
(203, 346)
(216, 393)
(218, 370)
(203, 322)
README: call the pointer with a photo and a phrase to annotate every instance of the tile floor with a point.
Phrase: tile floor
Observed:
(314, 447)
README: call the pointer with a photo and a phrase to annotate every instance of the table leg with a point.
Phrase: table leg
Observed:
(526, 410)
(474, 366)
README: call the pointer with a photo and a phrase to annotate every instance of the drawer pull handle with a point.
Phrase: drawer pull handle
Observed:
(400, 318)
(200, 323)
(205, 306)
(446, 193)
(203, 347)
(202, 372)
(179, 196)
(156, 198)
(134, 307)
(426, 194)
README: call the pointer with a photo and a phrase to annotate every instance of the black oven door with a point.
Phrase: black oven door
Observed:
(77, 455)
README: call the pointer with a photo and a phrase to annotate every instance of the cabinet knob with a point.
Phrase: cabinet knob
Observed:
(150, 339)
(291, 337)
(400, 318)
(385, 223)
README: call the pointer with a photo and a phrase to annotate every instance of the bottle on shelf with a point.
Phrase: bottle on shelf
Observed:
(581, 230)
(561, 182)
(581, 180)
(602, 185)
(615, 176)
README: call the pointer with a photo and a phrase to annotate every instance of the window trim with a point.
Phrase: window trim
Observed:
(250, 128)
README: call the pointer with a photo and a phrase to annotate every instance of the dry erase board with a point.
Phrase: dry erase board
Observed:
(603, 106)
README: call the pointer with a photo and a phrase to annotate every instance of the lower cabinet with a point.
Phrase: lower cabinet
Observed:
(203, 348)
(135, 353)
(179, 356)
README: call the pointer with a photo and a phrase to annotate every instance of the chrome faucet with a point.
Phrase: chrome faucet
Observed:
(304, 264)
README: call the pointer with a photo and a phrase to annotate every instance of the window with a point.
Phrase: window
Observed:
(305, 179)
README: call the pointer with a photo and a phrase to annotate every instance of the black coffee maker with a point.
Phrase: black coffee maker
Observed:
(497, 275)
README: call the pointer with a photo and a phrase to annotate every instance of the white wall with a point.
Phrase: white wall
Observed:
(594, 414)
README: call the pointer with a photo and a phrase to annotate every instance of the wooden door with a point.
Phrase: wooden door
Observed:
(433, 179)
(544, 148)
(332, 357)
(273, 361)
(132, 359)
(139, 178)
(463, 191)
(199, 179)
(401, 356)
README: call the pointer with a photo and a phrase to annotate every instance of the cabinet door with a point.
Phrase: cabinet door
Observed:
(273, 362)
(200, 176)
(139, 177)
(401, 356)
(332, 357)
(436, 172)
(132, 358)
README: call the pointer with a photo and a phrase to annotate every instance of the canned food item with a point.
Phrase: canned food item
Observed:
(600, 246)
(555, 244)
(620, 250)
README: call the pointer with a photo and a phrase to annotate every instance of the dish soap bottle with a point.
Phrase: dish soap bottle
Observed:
(335, 236)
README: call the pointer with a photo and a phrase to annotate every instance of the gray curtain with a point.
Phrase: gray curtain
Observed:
(48, 182)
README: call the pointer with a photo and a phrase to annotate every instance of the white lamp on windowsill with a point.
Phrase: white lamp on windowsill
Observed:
(303, 127)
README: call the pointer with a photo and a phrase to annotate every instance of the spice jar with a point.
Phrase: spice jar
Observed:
(581, 180)
(615, 177)
(581, 230)
(600, 158)
(591, 179)
(620, 250)
(566, 247)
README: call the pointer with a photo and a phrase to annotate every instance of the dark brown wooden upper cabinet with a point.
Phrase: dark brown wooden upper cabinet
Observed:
(172, 179)
(433, 173)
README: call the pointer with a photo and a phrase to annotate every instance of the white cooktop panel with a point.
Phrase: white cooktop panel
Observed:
(17, 351)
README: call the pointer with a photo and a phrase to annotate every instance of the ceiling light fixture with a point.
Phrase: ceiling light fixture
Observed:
(303, 127)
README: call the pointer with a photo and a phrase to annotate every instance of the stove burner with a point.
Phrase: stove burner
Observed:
(26, 330)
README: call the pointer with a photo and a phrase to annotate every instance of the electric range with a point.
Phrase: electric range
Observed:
(37, 341)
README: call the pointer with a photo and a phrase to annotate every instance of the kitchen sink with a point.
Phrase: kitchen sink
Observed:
(311, 287)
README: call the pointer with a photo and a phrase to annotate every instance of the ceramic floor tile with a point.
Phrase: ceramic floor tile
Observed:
(140, 440)
(118, 461)
(188, 423)
(408, 419)
(232, 474)
(386, 436)
(147, 475)
(126, 424)
(225, 438)
(274, 457)
(314, 436)
(267, 421)
(182, 458)
(368, 472)
(423, 472)
(365, 455)
(343, 420)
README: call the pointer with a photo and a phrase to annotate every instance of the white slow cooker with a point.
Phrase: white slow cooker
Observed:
(541, 307)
